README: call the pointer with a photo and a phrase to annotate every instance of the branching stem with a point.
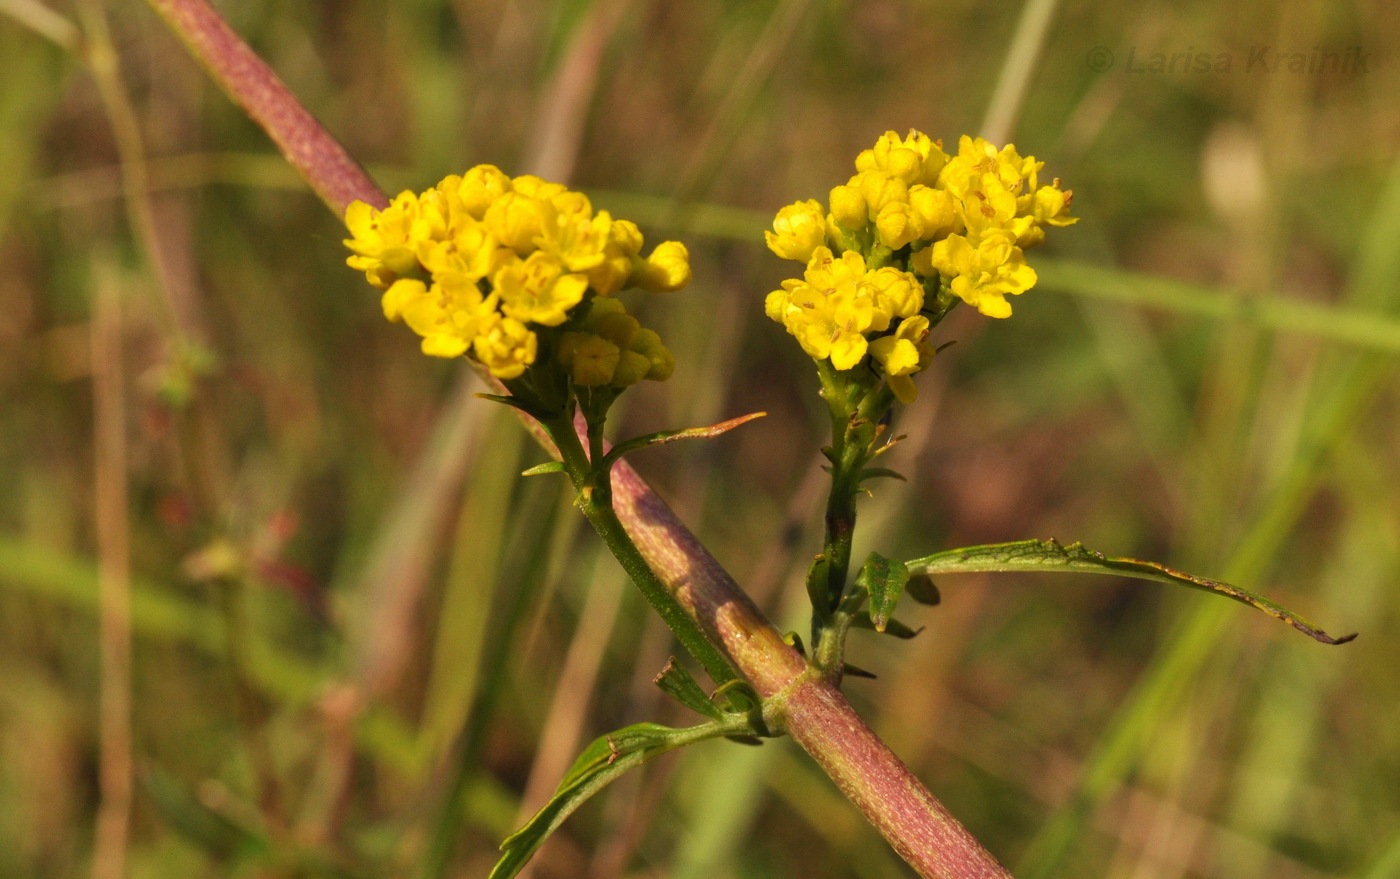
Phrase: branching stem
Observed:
(595, 500)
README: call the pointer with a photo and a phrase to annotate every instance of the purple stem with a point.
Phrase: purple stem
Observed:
(251, 84)
(818, 716)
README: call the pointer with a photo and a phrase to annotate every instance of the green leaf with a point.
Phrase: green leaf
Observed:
(677, 683)
(601, 762)
(856, 671)
(884, 580)
(882, 472)
(516, 403)
(742, 699)
(546, 467)
(893, 627)
(1047, 555)
(922, 589)
(670, 436)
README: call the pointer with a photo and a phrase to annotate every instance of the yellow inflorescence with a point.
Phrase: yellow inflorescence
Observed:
(478, 264)
(923, 218)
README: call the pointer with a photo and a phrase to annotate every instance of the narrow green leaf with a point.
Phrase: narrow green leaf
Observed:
(922, 589)
(882, 472)
(893, 627)
(1050, 556)
(884, 580)
(601, 762)
(670, 436)
(677, 683)
(515, 403)
(546, 467)
(856, 671)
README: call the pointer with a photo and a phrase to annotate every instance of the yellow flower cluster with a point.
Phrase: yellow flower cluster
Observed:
(480, 264)
(911, 223)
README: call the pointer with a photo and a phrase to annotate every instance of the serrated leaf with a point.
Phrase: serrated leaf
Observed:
(601, 762)
(921, 588)
(677, 683)
(884, 580)
(893, 627)
(546, 467)
(1050, 556)
(670, 436)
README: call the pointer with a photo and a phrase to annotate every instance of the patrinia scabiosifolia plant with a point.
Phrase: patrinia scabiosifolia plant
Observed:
(521, 275)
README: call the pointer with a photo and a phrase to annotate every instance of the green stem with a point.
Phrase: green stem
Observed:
(595, 500)
(856, 410)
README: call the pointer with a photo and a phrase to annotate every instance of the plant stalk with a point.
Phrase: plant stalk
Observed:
(595, 500)
(818, 716)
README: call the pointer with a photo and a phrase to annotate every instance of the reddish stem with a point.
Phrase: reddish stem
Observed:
(818, 716)
(246, 78)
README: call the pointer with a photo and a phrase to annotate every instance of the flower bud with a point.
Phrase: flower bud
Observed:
(667, 269)
(848, 206)
(798, 230)
(516, 220)
(632, 367)
(661, 363)
(591, 360)
(879, 190)
(481, 186)
(935, 210)
(898, 224)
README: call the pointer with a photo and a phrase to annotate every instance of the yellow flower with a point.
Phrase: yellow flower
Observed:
(448, 315)
(382, 241)
(879, 190)
(896, 294)
(577, 238)
(517, 220)
(798, 230)
(399, 295)
(982, 275)
(481, 186)
(472, 250)
(916, 159)
(533, 187)
(990, 209)
(506, 255)
(827, 312)
(1051, 205)
(665, 270)
(506, 347)
(537, 289)
(903, 354)
(624, 242)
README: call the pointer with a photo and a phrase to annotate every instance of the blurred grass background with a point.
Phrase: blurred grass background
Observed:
(364, 647)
